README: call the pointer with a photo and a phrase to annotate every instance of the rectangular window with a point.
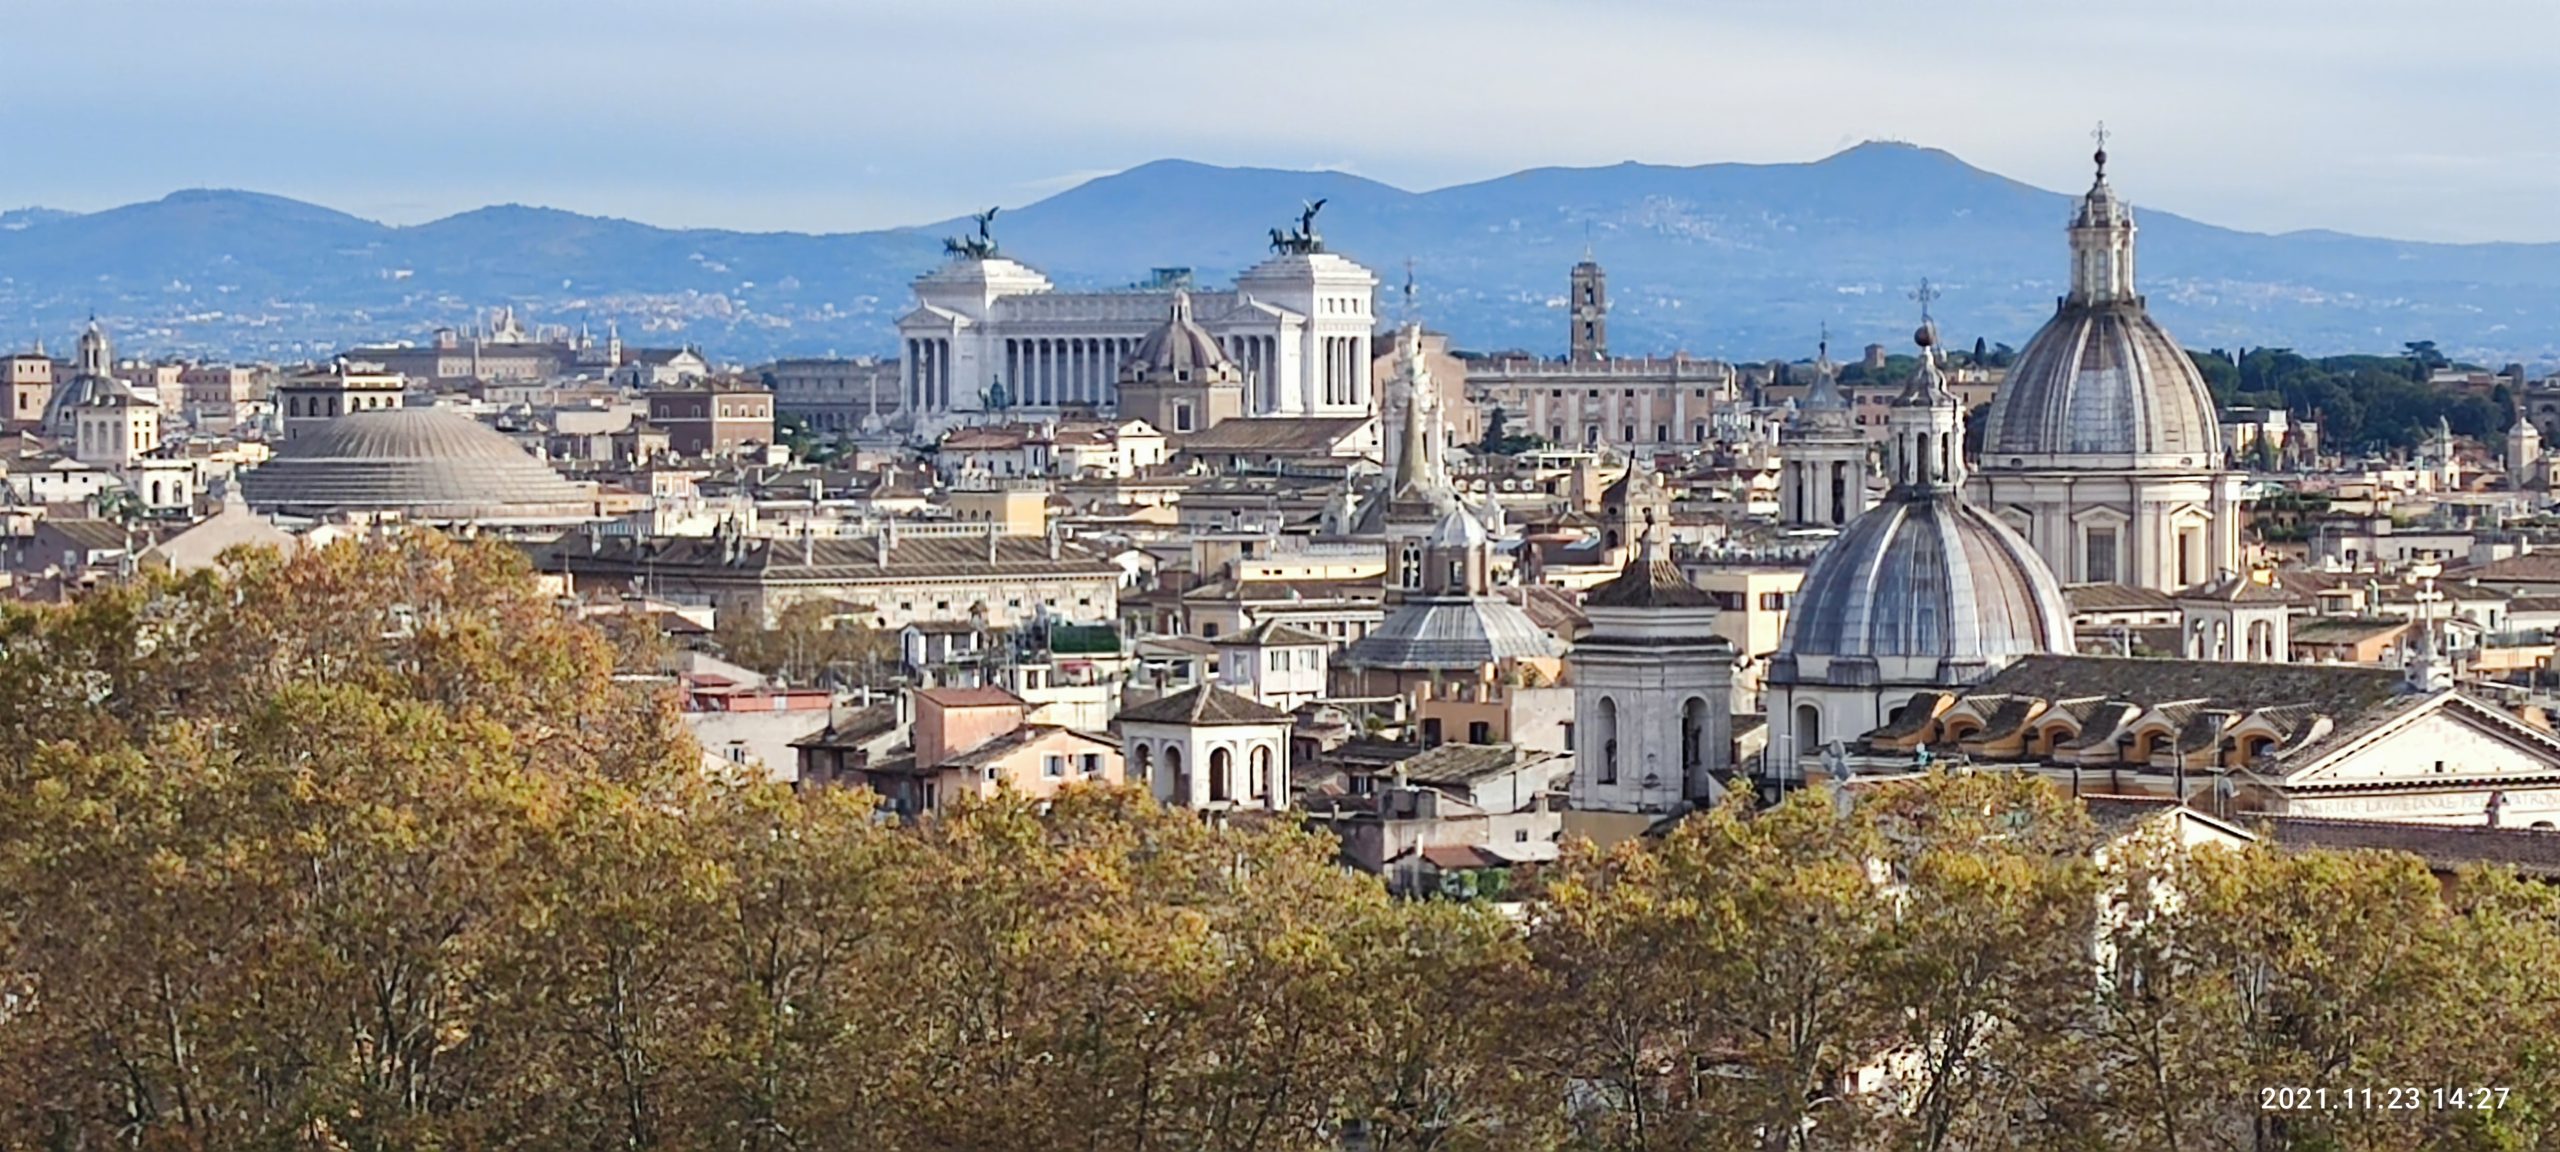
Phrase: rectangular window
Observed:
(1773, 601)
(2102, 556)
(1053, 766)
(1093, 764)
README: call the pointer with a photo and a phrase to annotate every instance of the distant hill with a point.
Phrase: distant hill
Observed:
(1738, 260)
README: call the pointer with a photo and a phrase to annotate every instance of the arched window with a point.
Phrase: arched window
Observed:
(1261, 771)
(1221, 766)
(1180, 784)
(1608, 743)
(1808, 730)
(1144, 763)
(1693, 737)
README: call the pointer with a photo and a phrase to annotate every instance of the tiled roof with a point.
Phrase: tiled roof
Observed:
(1272, 634)
(2530, 568)
(1203, 707)
(2240, 589)
(2534, 852)
(2345, 629)
(1028, 734)
(1649, 583)
(862, 725)
(2340, 691)
(93, 535)
(1450, 765)
(825, 559)
(970, 697)
(1311, 434)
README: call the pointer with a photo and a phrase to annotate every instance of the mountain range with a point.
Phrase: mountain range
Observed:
(1746, 261)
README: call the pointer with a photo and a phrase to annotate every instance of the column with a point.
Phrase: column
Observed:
(907, 372)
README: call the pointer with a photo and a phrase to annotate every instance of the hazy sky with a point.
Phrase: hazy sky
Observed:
(2392, 117)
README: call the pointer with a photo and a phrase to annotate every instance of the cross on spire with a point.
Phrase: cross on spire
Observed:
(1924, 294)
(2099, 134)
(1408, 289)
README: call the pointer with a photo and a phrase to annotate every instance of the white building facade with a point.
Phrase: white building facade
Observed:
(1298, 324)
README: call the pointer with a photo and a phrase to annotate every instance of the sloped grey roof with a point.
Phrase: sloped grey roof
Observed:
(1204, 706)
(1649, 583)
(1451, 633)
(1925, 574)
(424, 462)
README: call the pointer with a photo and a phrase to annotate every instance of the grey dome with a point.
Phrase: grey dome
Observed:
(418, 461)
(1925, 576)
(1449, 634)
(2102, 385)
(1179, 352)
(2103, 380)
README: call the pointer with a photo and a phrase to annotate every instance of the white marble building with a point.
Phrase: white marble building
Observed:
(1298, 324)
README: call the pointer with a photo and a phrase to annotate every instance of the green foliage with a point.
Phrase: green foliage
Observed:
(2376, 401)
(1499, 441)
(808, 643)
(369, 848)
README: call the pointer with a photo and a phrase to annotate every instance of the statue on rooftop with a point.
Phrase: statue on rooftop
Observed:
(979, 247)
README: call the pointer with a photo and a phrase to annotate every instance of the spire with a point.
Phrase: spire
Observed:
(2101, 240)
(1413, 451)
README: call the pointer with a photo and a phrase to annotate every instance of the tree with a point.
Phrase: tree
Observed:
(809, 642)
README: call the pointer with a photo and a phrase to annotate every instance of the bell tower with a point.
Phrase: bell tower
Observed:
(1589, 305)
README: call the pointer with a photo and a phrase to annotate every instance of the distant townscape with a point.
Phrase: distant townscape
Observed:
(1252, 648)
(1733, 261)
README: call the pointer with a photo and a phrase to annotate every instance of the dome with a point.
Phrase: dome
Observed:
(418, 461)
(1928, 577)
(2102, 385)
(1451, 634)
(2103, 381)
(1179, 352)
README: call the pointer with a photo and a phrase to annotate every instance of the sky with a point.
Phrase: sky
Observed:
(2382, 117)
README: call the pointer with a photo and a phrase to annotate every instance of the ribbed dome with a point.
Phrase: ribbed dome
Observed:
(1927, 576)
(1179, 352)
(420, 461)
(2103, 381)
(2102, 385)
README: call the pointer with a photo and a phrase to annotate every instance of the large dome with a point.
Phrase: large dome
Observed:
(2103, 382)
(1928, 578)
(417, 461)
(2102, 385)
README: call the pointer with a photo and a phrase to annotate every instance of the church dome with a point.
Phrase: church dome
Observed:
(417, 461)
(2102, 384)
(1179, 352)
(1927, 577)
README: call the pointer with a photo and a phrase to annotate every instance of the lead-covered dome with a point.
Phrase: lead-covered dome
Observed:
(1179, 351)
(420, 462)
(1929, 578)
(2102, 385)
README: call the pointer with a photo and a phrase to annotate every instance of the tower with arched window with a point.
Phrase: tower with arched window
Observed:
(1653, 693)
(1207, 748)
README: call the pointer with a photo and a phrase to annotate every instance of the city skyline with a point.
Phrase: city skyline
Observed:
(2276, 118)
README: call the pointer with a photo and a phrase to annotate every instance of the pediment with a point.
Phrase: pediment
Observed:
(2443, 741)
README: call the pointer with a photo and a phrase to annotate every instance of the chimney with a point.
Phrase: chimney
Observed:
(888, 540)
(1053, 542)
